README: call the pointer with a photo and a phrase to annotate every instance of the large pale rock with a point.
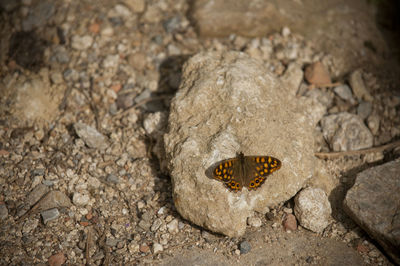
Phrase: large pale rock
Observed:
(30, 98)
(374, 203)
(345, 131)
(227, 103)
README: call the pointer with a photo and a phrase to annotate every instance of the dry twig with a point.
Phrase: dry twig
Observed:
(331, 155)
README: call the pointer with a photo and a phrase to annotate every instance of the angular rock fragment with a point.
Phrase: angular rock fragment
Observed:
(374, 203)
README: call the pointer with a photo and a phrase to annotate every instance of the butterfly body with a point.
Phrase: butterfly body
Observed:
(245, 171)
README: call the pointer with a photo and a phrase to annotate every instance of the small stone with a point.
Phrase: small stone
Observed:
(344, 92)
(157, 247)
(362, 248)
(137, 6)
(312, 209)
(56, 77)
(38, 192)
(122, 11)
(138, 60)
(3, 211)
(111, 61)
(80, 199)
(111, 241)
(317, 74)
(49, 215)
(285, 32)
(57, 259)
(373, 253)
(125, 100)
(81, 42)
(113, 179)
(254, 222)
(90, 136)
(154, 122)
(173, 226)
(144, 224)
(144, 248)
(270, 216)
(364, 109)
(373, 123)
(287, 210)
(156, 224)
(237, 252)
(357, 85)
(29, 226)
(244, 247)
(290, 223)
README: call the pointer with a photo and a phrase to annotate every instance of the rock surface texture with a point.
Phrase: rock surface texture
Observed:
(374, 203)
(230, 103)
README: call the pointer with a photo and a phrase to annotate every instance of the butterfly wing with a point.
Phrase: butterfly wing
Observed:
(227, 171)
(257, 168)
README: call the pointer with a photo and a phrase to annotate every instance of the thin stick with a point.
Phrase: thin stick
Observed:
(144, 101)
(331, 155)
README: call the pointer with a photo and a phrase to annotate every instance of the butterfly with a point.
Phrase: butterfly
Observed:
(245, 171)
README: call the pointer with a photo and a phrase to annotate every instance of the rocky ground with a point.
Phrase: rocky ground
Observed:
(85, 92)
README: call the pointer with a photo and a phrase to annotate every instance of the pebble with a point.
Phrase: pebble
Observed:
(373, 122)
(285, 32)
(144, 224)
(156, 224)
(3, 211)
(344, 92)
(81, 42)
(122, 10)
(49, 215)
(57, 259)
(113, 179)
(172, 24)
(154, 122)
(254, 222)
(157, 247)
(38, 192)
(80, 199)
(317, 74)
(60, 55)
(244, 247)
(357, 85)
(364, 109)
(90, 136)
(270, 216)
(111, 241)
(144, 248)
(373, 253)
(290, 223)
(38, 15)
(137, 6)
(111, 61)
(287, 210)
(173, 226)
(56, 77)
(30, 225)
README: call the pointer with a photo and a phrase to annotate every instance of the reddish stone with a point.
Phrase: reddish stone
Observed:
(144, 248)
(290, 223)
(317, 74)
(362, 248)
(4, 153)
(57, 259)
